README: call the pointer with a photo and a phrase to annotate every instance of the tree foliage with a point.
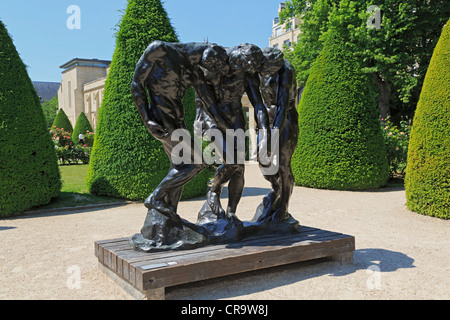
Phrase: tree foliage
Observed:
(427, 180)
(396, 55)
(127, 162)
(62, 121)
(50, 108)
(340, 145)
(29, 173)
(82, 126)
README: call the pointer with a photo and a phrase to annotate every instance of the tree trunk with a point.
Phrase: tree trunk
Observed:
(384, 96)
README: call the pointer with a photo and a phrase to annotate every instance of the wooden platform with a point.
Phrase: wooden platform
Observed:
(146, 275)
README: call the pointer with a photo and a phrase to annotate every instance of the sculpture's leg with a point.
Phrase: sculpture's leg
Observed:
(223, 174)
(166, 196)
(235, 189)
(270, 201)
(288, 144)
(287, 187)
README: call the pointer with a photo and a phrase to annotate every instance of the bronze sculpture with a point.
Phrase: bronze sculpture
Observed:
(279, 90)
(220, 78)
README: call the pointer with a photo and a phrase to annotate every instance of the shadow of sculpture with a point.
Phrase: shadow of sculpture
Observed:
(384, 260)
(259, 281)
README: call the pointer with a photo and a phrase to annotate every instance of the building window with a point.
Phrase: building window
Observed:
(287, 43)
(278, 32)
(275, 46)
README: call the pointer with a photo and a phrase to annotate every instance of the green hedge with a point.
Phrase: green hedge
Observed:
(28, 167)
(126, 161)
(82, 126)
(62, 121)
(427, 181)
(340, 144)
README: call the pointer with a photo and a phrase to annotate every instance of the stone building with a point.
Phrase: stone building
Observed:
(82, 87)
(281, 36)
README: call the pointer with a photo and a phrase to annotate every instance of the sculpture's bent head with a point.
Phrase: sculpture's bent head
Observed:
(215, 59)
(248, 57)
(273, 60)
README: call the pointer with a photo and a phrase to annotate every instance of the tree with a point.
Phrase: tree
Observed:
(50, 108)
(62, 121)
(340, 145)
(427, 181)
(396, 55)
(126, 161)
(82, 126)
(28, 166)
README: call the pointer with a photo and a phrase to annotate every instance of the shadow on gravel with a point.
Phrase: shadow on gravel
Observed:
(370, 259)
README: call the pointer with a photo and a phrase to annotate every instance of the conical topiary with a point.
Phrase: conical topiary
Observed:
(62, 121)
(340, 144)
(82, 126)
(126, 161)
(29, 173)
(427, 181)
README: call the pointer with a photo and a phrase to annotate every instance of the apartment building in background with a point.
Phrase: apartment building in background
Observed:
(82, 88)
(282, 35)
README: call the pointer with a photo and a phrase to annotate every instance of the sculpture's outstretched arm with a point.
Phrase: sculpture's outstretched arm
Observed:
(142, 71)
(261, 117)
(254, 95)
(285, 86)
(209, 101)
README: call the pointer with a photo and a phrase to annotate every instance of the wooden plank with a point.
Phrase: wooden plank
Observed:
(143, 271)
(131, 256)
(223, 251)
(237, 262)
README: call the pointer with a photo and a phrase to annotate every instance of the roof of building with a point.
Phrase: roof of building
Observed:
(86, 63)
(46, 90)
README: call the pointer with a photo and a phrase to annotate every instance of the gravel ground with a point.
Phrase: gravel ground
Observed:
(399, 254)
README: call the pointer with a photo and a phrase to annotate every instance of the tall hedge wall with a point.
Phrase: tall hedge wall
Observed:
(126, 161)
(340, 144)
(29, 173)
(427, 181)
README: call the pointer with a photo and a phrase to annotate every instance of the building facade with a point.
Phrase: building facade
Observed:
(82, 87)
(283, 36)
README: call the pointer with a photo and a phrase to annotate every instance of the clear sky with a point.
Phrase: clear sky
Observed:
(40, 33)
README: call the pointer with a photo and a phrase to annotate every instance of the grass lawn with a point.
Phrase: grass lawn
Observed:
(74, 191)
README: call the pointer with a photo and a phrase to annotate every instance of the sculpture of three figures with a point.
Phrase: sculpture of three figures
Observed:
(220, 77)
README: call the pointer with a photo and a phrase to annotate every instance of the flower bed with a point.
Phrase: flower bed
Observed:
(67, 151)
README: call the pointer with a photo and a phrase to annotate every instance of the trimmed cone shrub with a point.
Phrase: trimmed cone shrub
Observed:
(427, 181)
(340, 144)
(82, 126)
(62, 122)
(29, 173)
(126, 161)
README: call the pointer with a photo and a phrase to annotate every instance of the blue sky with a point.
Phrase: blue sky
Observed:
(44, 42)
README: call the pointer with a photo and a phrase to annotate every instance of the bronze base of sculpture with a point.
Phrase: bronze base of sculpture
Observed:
(162, 234)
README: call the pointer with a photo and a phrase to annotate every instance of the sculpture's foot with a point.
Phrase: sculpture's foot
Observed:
(219, 229)
(161, 206)
(213, 200)
(266, 210)
(270, 220)
(230, 214)
(161, 233)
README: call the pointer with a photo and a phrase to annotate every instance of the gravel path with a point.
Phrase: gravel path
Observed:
(399, 254)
